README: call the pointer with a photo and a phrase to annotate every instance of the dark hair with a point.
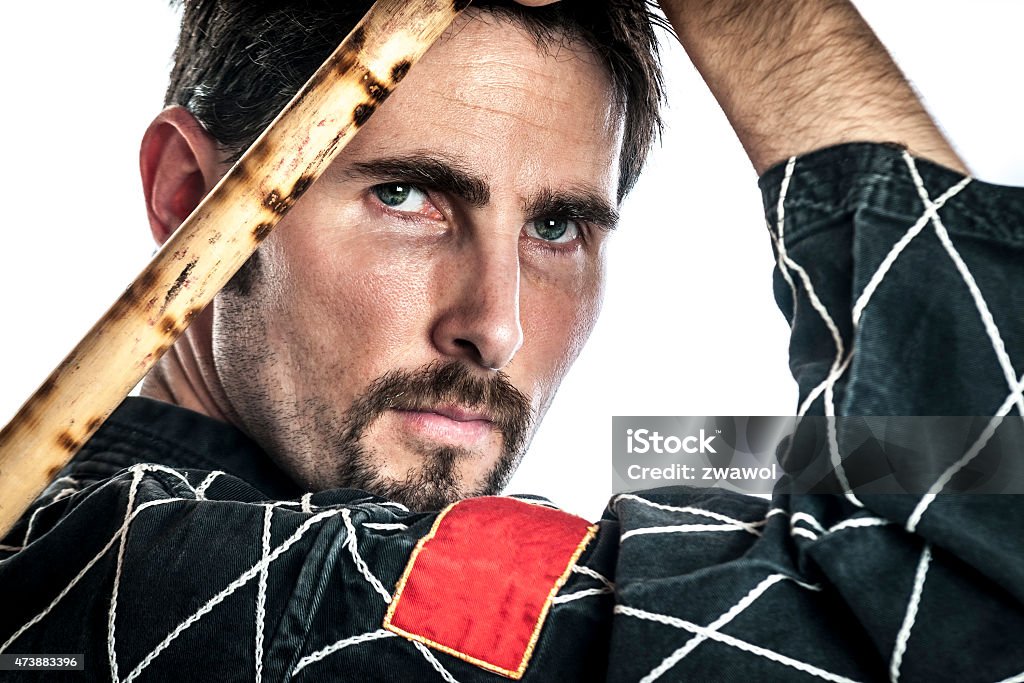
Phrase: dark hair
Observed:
(238, 62)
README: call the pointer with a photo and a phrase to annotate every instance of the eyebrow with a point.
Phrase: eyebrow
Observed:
(578, 203)
(431, 172)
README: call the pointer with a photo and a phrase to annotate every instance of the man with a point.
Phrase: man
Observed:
(406, 329)
(465, 275)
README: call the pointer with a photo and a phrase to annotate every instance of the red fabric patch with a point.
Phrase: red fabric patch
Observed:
(479, 585)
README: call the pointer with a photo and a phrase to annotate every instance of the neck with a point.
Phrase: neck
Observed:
(180, 378)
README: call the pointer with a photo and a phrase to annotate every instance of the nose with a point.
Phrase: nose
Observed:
(479, 316)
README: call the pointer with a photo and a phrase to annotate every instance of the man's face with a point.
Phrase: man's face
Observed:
(410, 320)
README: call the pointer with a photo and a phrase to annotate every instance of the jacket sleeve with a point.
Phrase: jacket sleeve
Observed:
(903, 282)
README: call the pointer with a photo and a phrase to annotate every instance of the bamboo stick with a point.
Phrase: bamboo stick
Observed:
(212, 244)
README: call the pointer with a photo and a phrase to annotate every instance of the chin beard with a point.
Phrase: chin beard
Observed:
(432, 486)
(437, 482)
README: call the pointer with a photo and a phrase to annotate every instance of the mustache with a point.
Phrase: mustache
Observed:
(446, 383)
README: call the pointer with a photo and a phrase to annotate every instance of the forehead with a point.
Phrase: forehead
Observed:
(515, 111)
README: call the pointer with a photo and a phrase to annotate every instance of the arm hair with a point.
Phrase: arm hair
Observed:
(798, 75)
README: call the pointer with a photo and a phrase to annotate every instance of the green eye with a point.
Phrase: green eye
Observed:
(393, 195)
(405, 200)
(550, 229)
(557, 230)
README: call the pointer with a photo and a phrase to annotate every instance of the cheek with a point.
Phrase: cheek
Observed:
(587, 308)
(358, 304)
(558, 315)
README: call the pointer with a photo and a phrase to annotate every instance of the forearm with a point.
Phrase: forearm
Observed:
(797, 75)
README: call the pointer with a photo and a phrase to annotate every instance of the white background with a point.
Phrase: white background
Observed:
(81, 81)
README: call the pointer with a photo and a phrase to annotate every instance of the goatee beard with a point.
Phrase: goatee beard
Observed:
(437, 482)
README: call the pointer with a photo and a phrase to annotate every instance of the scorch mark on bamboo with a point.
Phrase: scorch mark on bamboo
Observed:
(276, 203)
(362, 113)
(301, 185)
(280, 203)
(356, 40)
(47, 388)
(340, 64)
(377, 91)
(132, 295)
(399, 70)
(146, 280)
(68, 442)
(179, 282)
(261, 231)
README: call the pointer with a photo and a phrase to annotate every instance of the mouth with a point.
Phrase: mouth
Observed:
(449, 424)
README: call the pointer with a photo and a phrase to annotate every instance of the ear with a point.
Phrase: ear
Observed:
(180, 163)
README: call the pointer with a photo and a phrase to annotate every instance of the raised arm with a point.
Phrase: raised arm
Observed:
(798, 75)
